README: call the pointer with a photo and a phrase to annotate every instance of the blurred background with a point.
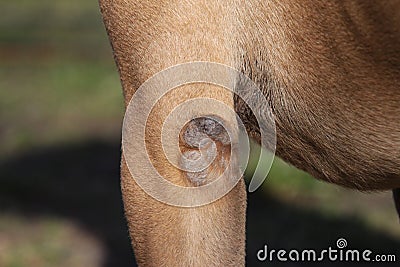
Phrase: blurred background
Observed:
(61, 111)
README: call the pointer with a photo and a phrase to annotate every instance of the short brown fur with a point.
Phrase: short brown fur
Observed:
(329, 69)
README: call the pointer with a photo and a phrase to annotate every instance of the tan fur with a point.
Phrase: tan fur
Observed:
(329, 69)
(331, 72)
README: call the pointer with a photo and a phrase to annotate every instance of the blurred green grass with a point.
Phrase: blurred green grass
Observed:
(59, 85)
(57, 77)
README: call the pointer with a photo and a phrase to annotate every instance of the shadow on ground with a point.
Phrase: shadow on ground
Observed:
(81, 182)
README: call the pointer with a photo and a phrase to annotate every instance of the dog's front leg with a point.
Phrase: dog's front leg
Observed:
(148, 37)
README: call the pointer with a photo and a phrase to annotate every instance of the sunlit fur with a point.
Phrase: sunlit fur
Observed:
(329, 69)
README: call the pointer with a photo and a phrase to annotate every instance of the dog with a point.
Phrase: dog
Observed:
(329, 72)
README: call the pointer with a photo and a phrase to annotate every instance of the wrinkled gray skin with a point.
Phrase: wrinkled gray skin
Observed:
(204, 128)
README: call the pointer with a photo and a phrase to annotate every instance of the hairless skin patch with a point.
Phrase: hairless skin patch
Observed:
(205, 139)
(204, 128)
